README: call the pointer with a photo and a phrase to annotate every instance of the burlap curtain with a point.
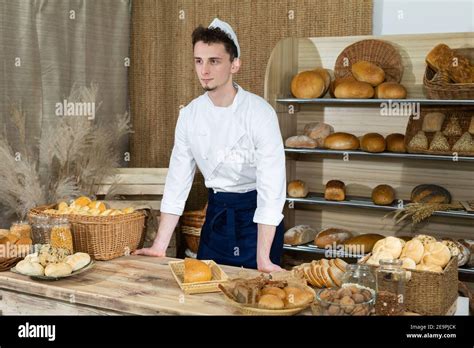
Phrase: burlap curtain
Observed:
(162, 73)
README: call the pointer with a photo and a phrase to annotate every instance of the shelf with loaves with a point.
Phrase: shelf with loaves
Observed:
(352, 141)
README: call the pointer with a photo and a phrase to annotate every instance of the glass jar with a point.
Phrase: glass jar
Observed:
(360, 275)
(61, 235)
(21, 229)
(390, 288)
(40, 229)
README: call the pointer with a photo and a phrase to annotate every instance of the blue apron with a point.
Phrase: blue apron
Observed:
(229, 235)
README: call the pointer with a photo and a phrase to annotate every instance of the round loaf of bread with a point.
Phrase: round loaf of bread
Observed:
(59, 269)
(393, 245)
(436, 254)
(29, 268)
(324, 73)
(373, 142)
(390, 90)
(353, 90)
(308, 84)
(383, 195)
(341, 141)
(428, 193)
(269, 301)
(395, 143)
(196, 271)
(78, 260)
(318, 131)
(298, 189)
(414, 250)
(368, 72)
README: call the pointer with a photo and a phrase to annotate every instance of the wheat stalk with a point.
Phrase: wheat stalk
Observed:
(419, 212)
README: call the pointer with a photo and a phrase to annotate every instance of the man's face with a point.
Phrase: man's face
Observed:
(213, 66)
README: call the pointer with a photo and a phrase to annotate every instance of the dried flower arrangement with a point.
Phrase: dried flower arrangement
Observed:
(75, 155)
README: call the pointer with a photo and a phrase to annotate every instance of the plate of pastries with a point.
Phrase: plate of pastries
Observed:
(51, 263)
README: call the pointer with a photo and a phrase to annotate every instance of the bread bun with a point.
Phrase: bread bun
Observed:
(341, 141)
(393, 245)
(373, 142)
(196, 271)
(324, 73)
(301, 141)
(395, 143)
(425, 239)
(29, 268)
(269, 301)
(3, 233)
(362, 243)
(335, 190)
(408, 263)
(353, 90)
(318, 131)
(433, 121)
(383, 195)
(308, 84)
(330, 236)
(273, 290)
(390, 90)
(430, 268)
(375, 258)
(414, 250)
(338, 81)
(78, 260)
(296, 297)
(368, 72)
(59, 269)
(436, 254)
(298, 189)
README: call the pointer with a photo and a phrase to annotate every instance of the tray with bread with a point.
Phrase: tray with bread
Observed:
(51, 263)
(286, 295)
(196, 276)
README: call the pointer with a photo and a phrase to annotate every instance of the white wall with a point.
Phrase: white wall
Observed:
(422, 16)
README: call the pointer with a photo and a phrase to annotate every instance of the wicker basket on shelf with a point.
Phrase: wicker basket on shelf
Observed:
(439, 86)
(191, 225)
(102, 237)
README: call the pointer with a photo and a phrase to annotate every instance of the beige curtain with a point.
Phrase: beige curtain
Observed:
(46, 46)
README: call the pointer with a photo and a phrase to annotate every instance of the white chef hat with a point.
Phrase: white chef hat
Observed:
(226, 28)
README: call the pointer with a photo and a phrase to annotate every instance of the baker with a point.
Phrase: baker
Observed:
(234, 138)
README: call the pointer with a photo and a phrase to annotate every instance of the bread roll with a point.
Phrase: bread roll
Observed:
(196, 271)
(383, 195)
(433, 121)
(324, 73)
(300, 234)
(453, 128)
(301, 141)
(296, 297)
(269, 301)
(59, 269)
(428, 193)
(390, 90)
(339, 80)
(3, 233)
(330, 236)
(78, 260)
(439, 143)
(298, 189)
(318, 131)
(425, 239)
(436, 254)
(408, 263)
(362, 243)
(414, 250)
(354, 90)
(373, 142)
(308, 84)
(464, 143)
(341, 141)
(393, 245)
(471, 125)
(419, 141)
(29, 268)
(273, 290)
(335, 190)
(429, 268)
(368, 72)
(395, 142)
(375, 258)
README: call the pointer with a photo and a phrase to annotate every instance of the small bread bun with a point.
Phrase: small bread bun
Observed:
(78, 260)
(408, 263)
(296, 297)
(414, 250)
(269, 301)
(273, 290)
(393, 245)
(353, 90)
(368, 72)
(196, 271)
(429, 267)
(308, 84)
(396, 143)
(59, 269)
(390, 90)
(383, 195)
(436, 254)
(298, 189)
(373, 142)
(29, 268)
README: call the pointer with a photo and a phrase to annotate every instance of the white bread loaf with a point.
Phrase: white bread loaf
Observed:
(78, 260)
(300, 234)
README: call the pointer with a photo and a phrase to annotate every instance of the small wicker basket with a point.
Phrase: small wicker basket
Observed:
(218, 276)
(102, 237)
(191, 225)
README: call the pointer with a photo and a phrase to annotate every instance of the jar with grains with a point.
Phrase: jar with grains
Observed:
(391, 279)
(61, 235)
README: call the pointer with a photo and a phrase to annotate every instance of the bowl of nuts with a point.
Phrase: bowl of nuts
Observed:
(348, 300)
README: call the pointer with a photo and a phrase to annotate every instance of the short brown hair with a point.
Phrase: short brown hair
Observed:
(215, 35)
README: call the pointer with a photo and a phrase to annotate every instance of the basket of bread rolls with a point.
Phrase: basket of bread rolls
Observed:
(449, 73)
(368, 69)
(15, 243)
(432, 271)
(196, 276)
(97, 229)
(50, 263)
(287, 295)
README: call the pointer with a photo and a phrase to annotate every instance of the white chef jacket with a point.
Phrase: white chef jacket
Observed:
(238, 148)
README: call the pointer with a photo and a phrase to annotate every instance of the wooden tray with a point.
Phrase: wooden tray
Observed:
(415, 125)
(218, 276)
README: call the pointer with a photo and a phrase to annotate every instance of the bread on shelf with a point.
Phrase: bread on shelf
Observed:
(383, 195)
(439, 143)
(396, 143)
(353, 90)
(368, 72)
(335, 191)
(433, 121)
(300, 234)
(441, 59)
(301, 141)
(308, 84)
(419, 141)
(390, 90)
(373, 142)
(362, 243)
(429, 193)
(318, 131)
(331, 237)
(298, 189)
(341, 141)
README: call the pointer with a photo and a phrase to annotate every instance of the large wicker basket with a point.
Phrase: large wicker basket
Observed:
(438, 85)
(430, 293)
(103, 237)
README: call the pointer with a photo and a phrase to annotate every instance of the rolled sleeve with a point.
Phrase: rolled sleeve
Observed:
(271, 172)
(180, 173)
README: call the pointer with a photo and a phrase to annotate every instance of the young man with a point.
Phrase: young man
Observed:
(234, 138)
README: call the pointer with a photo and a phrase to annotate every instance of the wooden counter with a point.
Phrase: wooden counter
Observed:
(127, 285)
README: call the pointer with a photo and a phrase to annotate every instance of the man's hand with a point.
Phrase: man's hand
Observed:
(268, 267)
(153, 251)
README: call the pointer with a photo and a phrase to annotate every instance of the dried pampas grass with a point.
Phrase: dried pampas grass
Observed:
(75, 155)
